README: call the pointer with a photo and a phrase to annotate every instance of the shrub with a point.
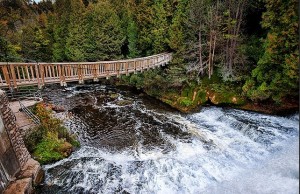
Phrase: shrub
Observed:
(46, 151)
(47, 141)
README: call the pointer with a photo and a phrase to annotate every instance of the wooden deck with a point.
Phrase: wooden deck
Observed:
(13, 75)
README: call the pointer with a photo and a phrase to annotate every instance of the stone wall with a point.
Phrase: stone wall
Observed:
(14, 134)
(14, 157)
(9, 164)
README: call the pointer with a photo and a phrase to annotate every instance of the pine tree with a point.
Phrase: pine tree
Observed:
(276, 74)
(62, 20)
(75, 39)
(160, 25)
(132, 34)
(104, 37)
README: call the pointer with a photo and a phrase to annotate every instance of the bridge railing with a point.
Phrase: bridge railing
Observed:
(17, 74)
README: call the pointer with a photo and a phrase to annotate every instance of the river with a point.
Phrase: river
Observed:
(132, 143)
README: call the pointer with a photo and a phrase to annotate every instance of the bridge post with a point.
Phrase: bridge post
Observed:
(80, 76)
(118, 69)
(127, 68)
(134, 63)
(107, 70)
(42, 73)
(12, 70)
(6, 75)
(142, 66)
(37, 75)
(95, 68)
(61, 76)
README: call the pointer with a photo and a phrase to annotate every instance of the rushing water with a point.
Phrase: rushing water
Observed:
(134, 144)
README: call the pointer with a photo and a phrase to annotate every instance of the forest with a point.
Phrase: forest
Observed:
(236, 52)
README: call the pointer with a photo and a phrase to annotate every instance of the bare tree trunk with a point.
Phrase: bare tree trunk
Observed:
(239, 17)
(209, 55)
(213, 52)
(200, 49)
(235, 32)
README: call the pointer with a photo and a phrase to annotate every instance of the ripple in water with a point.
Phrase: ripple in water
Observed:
(143, 146)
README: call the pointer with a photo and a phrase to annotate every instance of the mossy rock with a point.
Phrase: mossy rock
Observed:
(46, 151)
(123, 102)
(65, 149)
(218, 98)
(185, 101)
(114, 96)
(201, 97)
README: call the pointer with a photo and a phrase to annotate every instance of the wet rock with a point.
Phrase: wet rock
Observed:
(114, 96)
(57, 108)
(32, 169)
(21, 186)
(123, 102)
(65, 149)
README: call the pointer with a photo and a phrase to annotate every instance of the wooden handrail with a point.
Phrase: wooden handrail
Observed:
(14, 74)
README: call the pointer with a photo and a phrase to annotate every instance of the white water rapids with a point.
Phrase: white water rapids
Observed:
(225, 151)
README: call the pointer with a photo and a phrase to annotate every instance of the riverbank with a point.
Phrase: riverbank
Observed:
(213, 91)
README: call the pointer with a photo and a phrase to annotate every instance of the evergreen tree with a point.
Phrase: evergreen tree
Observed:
(8, 52)
(276, 74)
(178, 29)
(144, 19)
(104, 37)
(132, 36)
(160, 25)
(35, 44)
(62, 20)
(75, 39)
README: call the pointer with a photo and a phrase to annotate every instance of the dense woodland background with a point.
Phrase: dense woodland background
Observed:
(249, 46)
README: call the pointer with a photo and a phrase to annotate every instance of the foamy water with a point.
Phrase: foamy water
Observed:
(214, 151)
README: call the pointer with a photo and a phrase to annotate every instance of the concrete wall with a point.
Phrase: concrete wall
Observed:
(13, 153)
(9, 164)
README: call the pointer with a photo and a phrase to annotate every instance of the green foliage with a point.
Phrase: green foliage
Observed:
(184, 101)
(8, 52)
(136, 80)
(60, 29)
(276, 74)
(34, 137)
(47, 141)
(160, 25)
(132, 34)
(177, 34)
(227, 93)
(75, 38)
(104, 36)
(47, 151)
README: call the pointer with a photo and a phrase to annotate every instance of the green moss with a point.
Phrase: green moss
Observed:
(46, 151)
(74, 142)
(167, 101)
(114, 96)
(184, 101)
(201, 97)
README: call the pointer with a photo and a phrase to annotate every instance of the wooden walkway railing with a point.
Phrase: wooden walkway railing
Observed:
(13, 75)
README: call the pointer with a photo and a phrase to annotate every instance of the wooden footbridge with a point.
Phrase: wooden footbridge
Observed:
(14, 74)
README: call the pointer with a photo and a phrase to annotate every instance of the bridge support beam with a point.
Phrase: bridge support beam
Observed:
(63, 84)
